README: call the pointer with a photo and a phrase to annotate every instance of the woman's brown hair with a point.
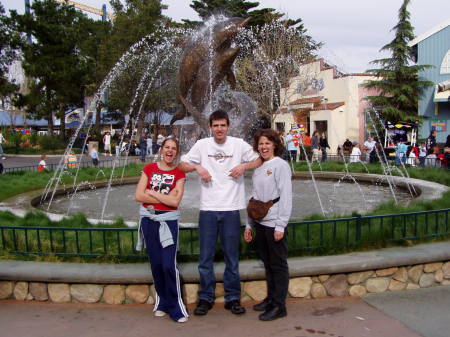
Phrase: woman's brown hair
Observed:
(177, 144)
(271, 135)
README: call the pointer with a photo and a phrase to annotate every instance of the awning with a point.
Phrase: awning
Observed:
(442, 92)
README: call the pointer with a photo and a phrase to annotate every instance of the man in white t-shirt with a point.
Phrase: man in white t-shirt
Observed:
(220, 161)
(369, 145)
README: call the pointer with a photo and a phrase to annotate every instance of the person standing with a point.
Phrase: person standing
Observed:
(355, 154)
(272, 181)
(431, 140)
(323, 144)
(160, 190)
(422, 154)
(94, 155)
(143, 146)
(2, 140)
(368, 147)
(290, 141)
(220, 161)
(149, 144)
(315, 146)
(107, 142)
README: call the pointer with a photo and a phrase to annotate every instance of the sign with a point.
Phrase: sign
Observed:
(298, 127)
(439, 125)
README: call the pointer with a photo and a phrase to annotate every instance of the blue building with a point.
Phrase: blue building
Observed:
(433, 48)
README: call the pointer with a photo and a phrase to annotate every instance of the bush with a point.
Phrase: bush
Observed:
(51, 143)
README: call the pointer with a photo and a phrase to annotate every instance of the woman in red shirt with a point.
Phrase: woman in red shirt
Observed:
(160, 190)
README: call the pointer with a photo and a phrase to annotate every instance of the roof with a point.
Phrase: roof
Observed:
(17, 119)
(429, 33)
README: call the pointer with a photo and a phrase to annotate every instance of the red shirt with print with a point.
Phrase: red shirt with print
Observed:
(163, 182)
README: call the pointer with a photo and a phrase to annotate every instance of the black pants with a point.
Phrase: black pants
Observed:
(293, 155)
(274, 256)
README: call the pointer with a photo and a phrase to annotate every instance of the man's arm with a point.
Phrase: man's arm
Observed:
(201, 171)
(239, 170)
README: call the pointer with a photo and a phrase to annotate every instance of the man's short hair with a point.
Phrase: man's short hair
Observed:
(219, 114)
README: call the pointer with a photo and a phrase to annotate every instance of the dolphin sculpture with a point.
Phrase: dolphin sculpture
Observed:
(206, 61)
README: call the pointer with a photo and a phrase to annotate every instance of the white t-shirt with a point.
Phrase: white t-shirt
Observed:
(222, 193)
(107, 139)
(354, 156)
(42, 163)
(369, 145)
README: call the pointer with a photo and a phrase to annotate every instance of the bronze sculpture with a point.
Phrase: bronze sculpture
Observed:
(207, 60)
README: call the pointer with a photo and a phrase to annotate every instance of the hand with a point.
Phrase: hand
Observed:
(237, 171)
(203, 173)
(248, 235)
(278, 235)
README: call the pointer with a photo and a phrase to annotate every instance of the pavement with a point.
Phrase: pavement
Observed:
(334, 317)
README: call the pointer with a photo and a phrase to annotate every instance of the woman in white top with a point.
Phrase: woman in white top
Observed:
(355, 156)
(272, 181)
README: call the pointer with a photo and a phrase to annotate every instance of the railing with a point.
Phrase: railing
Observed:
(321, 236)
(104, 163)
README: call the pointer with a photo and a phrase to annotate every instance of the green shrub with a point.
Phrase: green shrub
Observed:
(51, 143)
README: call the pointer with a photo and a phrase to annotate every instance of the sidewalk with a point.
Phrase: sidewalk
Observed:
(334, 317)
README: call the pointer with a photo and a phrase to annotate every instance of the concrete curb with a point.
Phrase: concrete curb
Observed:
(139, 273)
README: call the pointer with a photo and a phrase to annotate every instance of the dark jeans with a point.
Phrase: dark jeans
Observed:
(274, 256)
(293, 155)
(226, 225)
(324, 155)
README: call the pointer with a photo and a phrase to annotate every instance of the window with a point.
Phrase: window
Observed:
(445, 66)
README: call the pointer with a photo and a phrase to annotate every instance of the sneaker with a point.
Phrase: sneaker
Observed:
(182, 320)
(203, 306)
(159, 313)
(263, 306)
(235, 307)
(272, 314)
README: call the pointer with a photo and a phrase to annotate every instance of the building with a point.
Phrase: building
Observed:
(324, 99)
(433, 48)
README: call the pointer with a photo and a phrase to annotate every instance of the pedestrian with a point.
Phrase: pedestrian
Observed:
(431, 140)
(355, 154)
(290, 141)
(368, 147)
(149, 144)
(323, 144)
(143, 146)
(94, 155)
(272, 183)
(107, 143)
(2, 140)
(315, 146)
(160, 190)
(220, 161)
(42, 166)
(400, 153)
(422, 154)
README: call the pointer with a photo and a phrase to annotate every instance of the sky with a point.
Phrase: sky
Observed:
(353, 31)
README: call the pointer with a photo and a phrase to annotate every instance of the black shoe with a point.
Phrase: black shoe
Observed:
(263, 306)
(235, 307)
(202, 308)
(274, 313)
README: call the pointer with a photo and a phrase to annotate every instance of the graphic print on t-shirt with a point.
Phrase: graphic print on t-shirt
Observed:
(162, 182)
(220, 156)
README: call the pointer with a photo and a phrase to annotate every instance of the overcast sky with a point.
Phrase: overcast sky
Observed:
(353, 31)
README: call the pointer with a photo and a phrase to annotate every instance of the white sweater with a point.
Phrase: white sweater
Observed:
(270, 181)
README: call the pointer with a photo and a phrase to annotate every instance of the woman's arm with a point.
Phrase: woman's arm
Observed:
(140, 194)
(172, 199)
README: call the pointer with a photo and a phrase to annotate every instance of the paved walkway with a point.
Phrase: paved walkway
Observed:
(334, 317)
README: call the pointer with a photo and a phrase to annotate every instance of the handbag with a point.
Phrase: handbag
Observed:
(257, 209)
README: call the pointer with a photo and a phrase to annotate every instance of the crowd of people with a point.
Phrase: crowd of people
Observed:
(316, 147)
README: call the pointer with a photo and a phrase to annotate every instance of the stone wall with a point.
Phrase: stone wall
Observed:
(351, 284)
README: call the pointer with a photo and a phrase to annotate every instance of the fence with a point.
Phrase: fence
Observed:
(104, 163)
(321, 236)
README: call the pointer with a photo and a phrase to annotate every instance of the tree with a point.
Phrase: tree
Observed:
(9, 45)
(54, 59)
(238, 8)
(135, 20)
(398, 84)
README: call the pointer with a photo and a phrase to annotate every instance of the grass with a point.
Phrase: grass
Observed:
(330, 236)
